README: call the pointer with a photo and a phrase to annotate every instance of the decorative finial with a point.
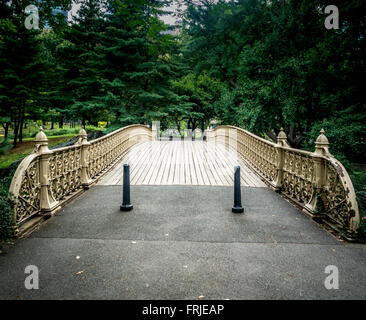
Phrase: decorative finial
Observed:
(282, 138)
(322, 144)
(83, 136)
(41, 142)
(322, 139)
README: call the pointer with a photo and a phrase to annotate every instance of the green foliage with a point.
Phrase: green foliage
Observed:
(282, 68)
(261, 65)
(345, 132)
(23, 71)
(66, 131)
(7, 223)
(196, 97)
(4, 146)
(113, 127)
(359, 183)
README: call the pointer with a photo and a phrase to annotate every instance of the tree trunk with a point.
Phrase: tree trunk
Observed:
(52, 124)
(6, 128)
(203, 130)
(270, 134)
(15, 134)
(16, 129)
(203, 125)
(294, 139)
(61, 122)
(194, 126)
(21, 126)
(178, 127)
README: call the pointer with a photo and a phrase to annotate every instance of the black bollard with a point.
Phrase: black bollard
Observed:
(237, 208)
(126, 203)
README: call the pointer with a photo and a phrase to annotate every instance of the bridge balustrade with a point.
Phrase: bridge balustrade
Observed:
(315, 181)
(47, 179)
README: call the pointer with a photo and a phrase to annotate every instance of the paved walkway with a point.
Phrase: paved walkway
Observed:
(182, 242)
(182, 163)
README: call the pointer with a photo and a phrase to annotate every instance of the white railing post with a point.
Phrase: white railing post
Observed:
(83, 142)
(319, 179)
(47, 200)
(155, 129)
(281, 142)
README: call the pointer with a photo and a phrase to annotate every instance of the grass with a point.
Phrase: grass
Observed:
(70, 135)
(55, 136)
(26, 147)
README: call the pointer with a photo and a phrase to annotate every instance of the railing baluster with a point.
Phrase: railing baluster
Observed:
(47, 200)
(85, 145)
(315, 181)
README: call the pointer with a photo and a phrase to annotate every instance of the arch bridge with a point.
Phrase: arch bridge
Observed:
(315, 182)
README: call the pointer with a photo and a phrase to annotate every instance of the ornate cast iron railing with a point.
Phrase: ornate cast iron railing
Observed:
(316, 181)
(47, 178)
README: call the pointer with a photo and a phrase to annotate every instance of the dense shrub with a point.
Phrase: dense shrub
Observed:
(345, 134)
(359, 183)
(59, 132)
(4, 146)
(113, 127)
(7, 222)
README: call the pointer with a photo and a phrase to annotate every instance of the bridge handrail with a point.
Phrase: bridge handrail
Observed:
(316, 181)
(46, 178)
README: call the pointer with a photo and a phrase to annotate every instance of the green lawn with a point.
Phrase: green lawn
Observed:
(26, 147)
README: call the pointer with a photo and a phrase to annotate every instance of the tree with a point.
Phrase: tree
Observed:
(281, 67)
(20, 72)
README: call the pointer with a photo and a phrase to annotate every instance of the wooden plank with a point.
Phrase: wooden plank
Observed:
(172, 156)
(213, 175)
(192, 175)
(207, 165)
(162, 167)
(187, 170)
(197, 170)
(142, 165)
(154, 159)
(225, 167)
(164, 179)
(198, 156)
(114, 177)
(177, 163)
(181, 163)
(230, 163)
(247, 179)
(138, 161)
(217, 164)
(161, 146)
(150, 165)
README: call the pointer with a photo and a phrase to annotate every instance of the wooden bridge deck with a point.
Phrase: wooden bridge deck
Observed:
(181, 163)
